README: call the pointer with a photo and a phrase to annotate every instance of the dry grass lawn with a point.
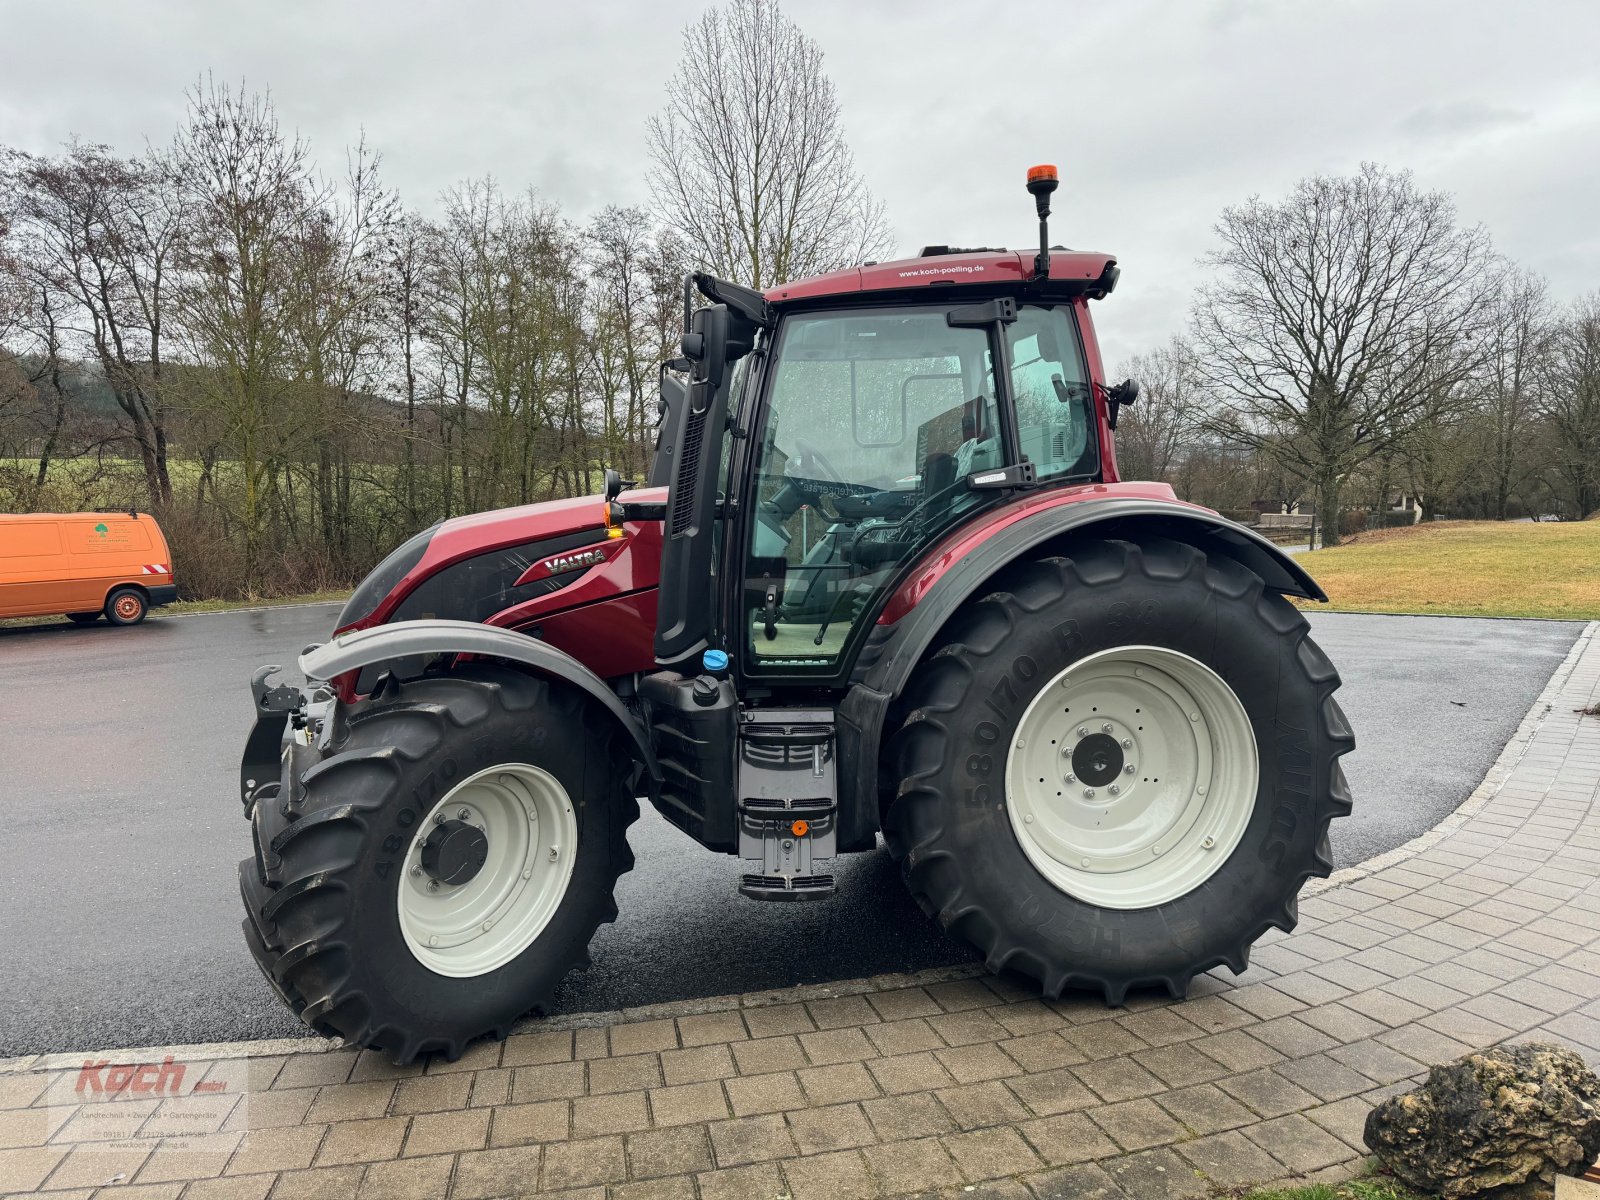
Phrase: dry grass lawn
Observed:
(1467, 569)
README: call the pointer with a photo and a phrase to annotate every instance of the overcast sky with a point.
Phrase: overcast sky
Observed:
(1158, 113)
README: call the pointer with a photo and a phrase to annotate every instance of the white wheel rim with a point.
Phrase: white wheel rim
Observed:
(484, 923)
(1173, 819)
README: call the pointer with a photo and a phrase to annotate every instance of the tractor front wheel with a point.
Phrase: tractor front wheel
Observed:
(439, 870)
(1118, 768)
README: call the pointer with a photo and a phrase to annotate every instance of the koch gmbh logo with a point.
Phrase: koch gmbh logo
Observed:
(104, 1081)
(107, 1105)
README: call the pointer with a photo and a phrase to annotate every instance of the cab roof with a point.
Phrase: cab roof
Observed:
(1088, 272)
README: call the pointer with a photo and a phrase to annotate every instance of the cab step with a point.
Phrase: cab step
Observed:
(787, 802)
(786, 887)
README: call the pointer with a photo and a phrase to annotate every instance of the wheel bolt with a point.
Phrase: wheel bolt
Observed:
(438, 818)
(1129, 769)
(1208, 843)
(1106, 728)
(1088, 793)
(464, 813)
(1115, 790)
(1072, 779)
(554, 854)
(1127, 743)
(433, 885)
(416, 870)
(1083, 731)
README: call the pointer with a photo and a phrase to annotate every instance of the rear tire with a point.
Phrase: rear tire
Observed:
(1162, 632)
(83, 618)
(126, 606)
(340, 915)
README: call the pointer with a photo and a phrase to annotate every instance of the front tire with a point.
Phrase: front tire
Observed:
(1174, 679)
(126, 606)
(341, 915)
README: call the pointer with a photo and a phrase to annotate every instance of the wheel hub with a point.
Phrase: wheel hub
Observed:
(486, 869)
(1132, 776)
(1097, 760)
(454, 852)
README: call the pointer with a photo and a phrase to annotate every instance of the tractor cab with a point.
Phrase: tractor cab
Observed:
(830, 434)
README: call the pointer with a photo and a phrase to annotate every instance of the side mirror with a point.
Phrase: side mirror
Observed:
(613, 485)
(1125, 392)
(706, 345)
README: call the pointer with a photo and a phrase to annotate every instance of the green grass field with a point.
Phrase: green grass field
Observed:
(1467, 569)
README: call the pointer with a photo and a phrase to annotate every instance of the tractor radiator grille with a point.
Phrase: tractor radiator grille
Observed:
(683, 491)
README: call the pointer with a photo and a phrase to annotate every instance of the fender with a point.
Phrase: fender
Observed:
(893, 651)
(361, 648)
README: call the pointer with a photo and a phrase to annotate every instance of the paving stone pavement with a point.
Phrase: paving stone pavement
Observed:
(947, 1083)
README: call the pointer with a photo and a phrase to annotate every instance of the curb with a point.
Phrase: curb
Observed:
(1509, 757)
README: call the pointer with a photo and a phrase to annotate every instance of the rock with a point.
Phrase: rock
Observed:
(1498, 1124)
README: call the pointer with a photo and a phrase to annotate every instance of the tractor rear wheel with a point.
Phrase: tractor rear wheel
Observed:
(1117, 769)
(443, 866)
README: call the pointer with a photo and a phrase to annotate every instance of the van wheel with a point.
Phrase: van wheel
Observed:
(88, 618)
(126, 606)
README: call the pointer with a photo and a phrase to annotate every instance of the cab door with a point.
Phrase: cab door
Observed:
(873, 421)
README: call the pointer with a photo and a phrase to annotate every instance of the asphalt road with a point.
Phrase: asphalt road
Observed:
(120, 831)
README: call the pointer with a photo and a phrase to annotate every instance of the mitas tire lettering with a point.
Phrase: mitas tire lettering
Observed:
(947, 820)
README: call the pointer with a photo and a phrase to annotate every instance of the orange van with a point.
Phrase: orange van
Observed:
(83, 565)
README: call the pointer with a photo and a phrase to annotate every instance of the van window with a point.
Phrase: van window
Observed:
(108, 536)
(30, 539)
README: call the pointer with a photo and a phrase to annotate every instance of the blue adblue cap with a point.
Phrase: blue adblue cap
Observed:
(715, 660)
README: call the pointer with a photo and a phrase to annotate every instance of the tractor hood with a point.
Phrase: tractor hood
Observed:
(511, 565)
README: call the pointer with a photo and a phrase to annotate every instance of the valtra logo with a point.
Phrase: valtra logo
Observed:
(578, 560)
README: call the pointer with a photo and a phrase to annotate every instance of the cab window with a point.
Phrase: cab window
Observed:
(874, 421)
(1055, 409)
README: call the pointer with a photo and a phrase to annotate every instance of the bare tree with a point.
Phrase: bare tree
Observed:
(1153, 434)
(101, 233)
(405, 299)
(635, 281)
(749, 160)
(1437, 454)
(249, 194)
(1571, 405)
(1518, 341)
(1336, 316)
(333, 312)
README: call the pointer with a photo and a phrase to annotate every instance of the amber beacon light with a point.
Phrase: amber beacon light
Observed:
(1042, 180)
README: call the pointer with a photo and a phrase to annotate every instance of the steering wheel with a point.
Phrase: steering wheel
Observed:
(804, 450)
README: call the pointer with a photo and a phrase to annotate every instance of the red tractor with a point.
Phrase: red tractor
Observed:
(884, 578)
